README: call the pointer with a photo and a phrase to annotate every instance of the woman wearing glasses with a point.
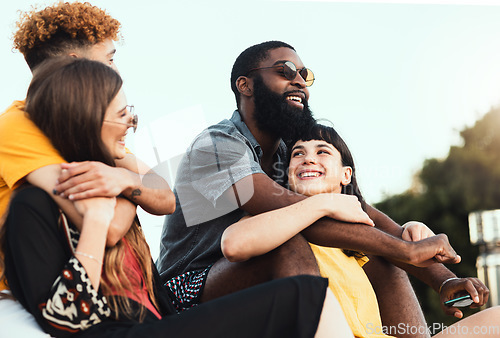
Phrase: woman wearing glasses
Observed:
(72, 283)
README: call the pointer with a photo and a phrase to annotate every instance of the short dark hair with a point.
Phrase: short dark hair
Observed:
(249, 59)
(329, 135)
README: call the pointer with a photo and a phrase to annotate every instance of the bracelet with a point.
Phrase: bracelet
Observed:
(446, 281)
(88, 256)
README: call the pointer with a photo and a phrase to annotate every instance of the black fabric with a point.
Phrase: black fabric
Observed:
(37, 250)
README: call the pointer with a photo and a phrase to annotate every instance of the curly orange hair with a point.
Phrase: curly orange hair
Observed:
(60, 28)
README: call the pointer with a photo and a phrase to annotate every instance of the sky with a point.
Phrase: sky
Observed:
(398, 79)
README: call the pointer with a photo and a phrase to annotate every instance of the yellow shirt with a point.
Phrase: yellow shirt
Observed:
(349, 283)
(23, 149)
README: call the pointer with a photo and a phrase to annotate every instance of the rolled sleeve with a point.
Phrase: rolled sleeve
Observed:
(219, 160)
(215, 161)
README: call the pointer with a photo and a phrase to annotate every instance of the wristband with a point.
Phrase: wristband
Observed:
(446, 281)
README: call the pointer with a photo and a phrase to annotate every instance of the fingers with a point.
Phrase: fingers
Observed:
(73, 169)
(446, 254)
(416, 235)
(406, 236)
(484, 291)
(452, 311)
(448, 258)
(88, 190)
(455, 312)
(76, 184)
(365, 219)
(471, 290)
(416, 231)
(473, 286)
(369, 221)
(478, 291)
(85, 194)
(345, 208)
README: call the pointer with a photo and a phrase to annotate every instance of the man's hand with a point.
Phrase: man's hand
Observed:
(416, 231)
(460, 287)
(434, 249)
(80, 180)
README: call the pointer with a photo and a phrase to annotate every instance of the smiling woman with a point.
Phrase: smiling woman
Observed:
(86, 122)
(317, 167)
(71, 281)
(117, 120)
(322, 167)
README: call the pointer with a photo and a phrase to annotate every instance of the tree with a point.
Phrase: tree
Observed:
(444, 193)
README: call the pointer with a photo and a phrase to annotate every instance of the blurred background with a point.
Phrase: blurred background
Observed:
(412, 86)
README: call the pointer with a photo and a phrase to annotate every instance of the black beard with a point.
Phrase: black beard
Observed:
(276, 116)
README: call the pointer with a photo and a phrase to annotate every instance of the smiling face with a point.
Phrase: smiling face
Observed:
(116, 123)
(281, 105)
(316, 167)
(295, 90)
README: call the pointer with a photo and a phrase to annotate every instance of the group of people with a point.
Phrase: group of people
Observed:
(266, 235)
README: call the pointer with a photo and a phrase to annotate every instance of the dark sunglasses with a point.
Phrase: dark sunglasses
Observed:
(290, 72)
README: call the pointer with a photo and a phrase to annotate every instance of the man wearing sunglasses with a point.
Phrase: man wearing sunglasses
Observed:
(236, 168)
(26, 155)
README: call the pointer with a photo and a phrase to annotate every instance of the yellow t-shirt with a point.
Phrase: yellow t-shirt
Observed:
(349, 283)
(23, 149)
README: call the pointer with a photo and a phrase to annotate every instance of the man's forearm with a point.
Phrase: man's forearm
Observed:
(46, 177)
(268, 195)
(151, 192)
(360, 237)
(433, 275)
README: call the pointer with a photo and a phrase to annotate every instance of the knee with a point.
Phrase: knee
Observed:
(296, 257)
(295, 245)
(30, 195)
(379, 268)
(492, 312)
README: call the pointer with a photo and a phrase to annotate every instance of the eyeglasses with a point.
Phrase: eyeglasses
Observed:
(134, 120)
(290, 72)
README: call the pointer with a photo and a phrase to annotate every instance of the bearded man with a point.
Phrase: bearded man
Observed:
(238, 168)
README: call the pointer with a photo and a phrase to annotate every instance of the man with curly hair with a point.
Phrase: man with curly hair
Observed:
(26, 155)
(77, 29)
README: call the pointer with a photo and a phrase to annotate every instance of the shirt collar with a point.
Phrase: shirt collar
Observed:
(243, 129)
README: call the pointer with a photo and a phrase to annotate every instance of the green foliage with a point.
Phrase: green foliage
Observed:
(449, 189)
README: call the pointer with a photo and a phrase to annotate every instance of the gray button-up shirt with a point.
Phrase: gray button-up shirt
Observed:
(219, 157)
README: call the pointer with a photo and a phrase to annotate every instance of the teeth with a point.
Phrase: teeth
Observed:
(310, 174)
(295, 98)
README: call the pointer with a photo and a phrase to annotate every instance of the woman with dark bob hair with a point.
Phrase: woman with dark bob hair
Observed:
(322, 167)
(72, 283)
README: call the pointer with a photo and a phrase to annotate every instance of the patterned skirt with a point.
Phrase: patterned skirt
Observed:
(185, 290)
